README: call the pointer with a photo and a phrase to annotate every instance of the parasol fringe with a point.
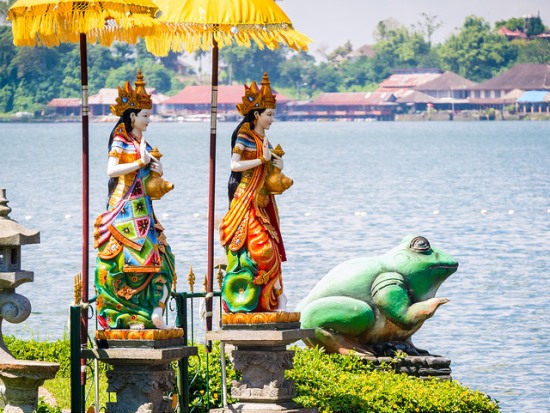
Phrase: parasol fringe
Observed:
(191, 37)
(49, 25)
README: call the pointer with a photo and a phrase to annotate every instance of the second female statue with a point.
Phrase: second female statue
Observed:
(250, 229)
(135, 266)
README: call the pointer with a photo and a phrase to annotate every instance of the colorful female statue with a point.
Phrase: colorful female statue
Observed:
(250, 229)
(135, 266)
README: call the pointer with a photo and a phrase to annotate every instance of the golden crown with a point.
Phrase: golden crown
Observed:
(128, 98)
(257, 98)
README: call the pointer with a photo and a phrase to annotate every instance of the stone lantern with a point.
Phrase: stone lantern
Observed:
(12, 237)
(21, 377)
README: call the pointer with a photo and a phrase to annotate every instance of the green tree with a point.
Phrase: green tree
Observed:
(429, 25)
(476, 52)
(39, 77)
(515, 23)
(325, 78)
(355, 74)
(246, 64)
(534, 51)
(340, 52)
(398, 47)
(384, 28)
(534, 26)
(8, 71)
(297, 72)
(70, 86)
(530, 25)
(156, 76)
(124, 52)
(100, 61)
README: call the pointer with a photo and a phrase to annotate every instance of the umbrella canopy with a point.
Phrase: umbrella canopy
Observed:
(51, 22)
(195, 24)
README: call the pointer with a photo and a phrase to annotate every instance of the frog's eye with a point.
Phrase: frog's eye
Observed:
(420, 244)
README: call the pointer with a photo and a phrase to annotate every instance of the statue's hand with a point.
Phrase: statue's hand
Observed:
(266, 151)
(155, 165)
(277, 161)
(145, 157)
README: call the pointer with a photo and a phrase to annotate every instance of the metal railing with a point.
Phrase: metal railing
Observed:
(183, 307)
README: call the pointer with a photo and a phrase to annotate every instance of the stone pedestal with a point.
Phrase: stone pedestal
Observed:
(22, 378)
(262, 358)
(140, 376)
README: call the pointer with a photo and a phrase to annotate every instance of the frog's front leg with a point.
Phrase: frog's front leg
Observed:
(337, 321)
(391, 296)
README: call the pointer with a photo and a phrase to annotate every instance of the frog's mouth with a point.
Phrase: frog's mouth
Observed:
(450, 268)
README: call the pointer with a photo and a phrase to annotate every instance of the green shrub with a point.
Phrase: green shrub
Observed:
(333, 383)
(58, 351)
(336, 383)
(208, 365)
(43, 407)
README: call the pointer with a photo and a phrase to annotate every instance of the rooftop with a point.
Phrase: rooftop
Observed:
(107, 96)
(447, 81)
(525, 76)
(408, 79)
(201, 95)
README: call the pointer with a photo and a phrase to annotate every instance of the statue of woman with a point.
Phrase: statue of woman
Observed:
(250, 229)
(135, 266)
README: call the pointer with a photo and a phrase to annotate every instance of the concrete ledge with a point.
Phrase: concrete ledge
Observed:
(139, 355)
(259, 338)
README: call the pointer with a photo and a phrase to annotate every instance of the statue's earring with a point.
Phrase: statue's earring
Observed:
(132, 121)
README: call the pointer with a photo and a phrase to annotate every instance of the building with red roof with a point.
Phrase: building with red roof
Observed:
(345, 106)
(66, 106)
(403, 80)
(101, 102)
(197, 100)
(511, 34)
(524, 76)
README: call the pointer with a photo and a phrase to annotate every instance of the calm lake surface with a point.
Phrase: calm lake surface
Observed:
(480, 191)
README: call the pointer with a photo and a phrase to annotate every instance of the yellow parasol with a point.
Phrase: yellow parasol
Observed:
(210, 24)
(196, 24)
(51, 22)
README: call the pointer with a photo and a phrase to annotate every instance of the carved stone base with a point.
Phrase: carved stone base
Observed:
(262, 358)
(263, 374)
(136, 386)
(140, 377)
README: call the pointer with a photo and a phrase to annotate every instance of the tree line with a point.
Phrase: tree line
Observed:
(31, 76)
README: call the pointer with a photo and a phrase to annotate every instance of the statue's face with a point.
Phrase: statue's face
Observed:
(265, 119)
(142, 119)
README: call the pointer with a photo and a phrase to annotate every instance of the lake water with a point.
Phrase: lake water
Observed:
(480, 191)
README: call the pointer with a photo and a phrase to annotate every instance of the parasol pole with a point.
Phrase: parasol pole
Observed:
(212, 186)
(85, 194)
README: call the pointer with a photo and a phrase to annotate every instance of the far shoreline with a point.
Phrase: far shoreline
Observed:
(442, 116)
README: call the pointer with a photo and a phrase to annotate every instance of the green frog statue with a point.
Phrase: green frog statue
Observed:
(374, 305)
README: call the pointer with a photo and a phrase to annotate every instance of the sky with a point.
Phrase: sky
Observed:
(332, 23)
